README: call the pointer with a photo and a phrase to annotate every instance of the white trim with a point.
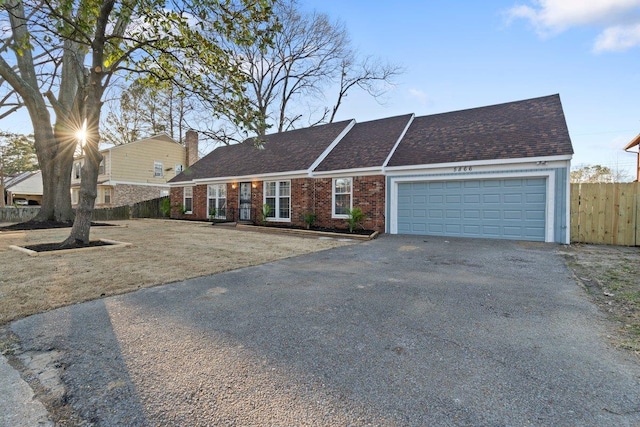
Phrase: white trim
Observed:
(550, 201)
(277, 197)
(141, 184)
(155, 165)
(393, 150)
(217, 199)
(534, 160)
(568, 205)
(333, 198)
(331, 146)
(370, 171)
(184, 199)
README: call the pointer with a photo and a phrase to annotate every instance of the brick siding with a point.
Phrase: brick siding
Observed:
(125, 194)
(308, 195)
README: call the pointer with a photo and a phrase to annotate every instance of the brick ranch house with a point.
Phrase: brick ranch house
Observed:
(500, 171)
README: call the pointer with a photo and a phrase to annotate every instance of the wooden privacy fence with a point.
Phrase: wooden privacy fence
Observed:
(606, 213)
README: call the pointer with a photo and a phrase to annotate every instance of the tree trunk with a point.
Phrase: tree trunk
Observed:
(55, 156)
(88, 191)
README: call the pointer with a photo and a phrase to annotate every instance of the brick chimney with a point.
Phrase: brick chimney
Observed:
(191, 145)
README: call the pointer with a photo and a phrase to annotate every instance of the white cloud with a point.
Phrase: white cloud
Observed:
(617, 39)
(619, 19)
(421, 96)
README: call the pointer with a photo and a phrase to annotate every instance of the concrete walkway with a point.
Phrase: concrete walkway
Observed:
(18, 408)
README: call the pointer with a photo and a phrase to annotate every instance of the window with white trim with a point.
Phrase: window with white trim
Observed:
(277, 195)
(342, 197)
(217, 201)
(77, 168)
(157, 169)
(75, 196)
(107, 195)
(179, 169)
(187, 202)
(101, 169)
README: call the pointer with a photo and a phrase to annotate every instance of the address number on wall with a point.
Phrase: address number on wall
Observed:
(462, 169)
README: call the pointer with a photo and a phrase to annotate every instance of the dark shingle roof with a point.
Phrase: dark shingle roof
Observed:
(283, 152)
(366, 145)
(530, 128)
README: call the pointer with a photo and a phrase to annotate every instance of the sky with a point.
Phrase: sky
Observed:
(463, 54)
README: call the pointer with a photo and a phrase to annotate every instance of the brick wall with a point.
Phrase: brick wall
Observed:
(308, 195)
(125, 194)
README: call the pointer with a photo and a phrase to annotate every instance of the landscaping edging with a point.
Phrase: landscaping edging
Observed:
(308, 233)
(112, 244)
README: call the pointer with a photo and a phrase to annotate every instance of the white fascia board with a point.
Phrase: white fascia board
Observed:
(393, 150)
(181, 184)
(377, 170)
(331, 146)
(483, 163)
(247, 178)
(144, 184)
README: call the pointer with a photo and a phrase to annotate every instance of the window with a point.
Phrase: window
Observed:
(341, 197)
(157, 169)
(74, 196)
(277, 195)
(101, 168)
(107, 196)
(77, 168)
(217, 201)
(179, 169)
(188, 200)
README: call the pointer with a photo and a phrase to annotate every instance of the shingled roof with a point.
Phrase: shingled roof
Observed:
(366, 145)
(530, 128)
(295, 150)
(522, 129)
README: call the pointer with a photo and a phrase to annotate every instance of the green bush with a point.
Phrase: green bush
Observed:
(356, 216)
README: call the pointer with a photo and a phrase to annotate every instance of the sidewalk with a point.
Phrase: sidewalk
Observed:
(18, 407)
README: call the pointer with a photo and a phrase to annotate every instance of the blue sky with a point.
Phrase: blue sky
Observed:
(466, 54)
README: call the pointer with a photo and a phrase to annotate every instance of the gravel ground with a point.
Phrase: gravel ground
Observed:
(400, 331)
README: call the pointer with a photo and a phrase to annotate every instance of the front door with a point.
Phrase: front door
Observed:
(245, 201)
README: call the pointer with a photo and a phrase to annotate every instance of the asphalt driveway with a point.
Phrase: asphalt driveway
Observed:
(404, 331)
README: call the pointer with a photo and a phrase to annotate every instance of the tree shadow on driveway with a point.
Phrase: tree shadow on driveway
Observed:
(396, 331)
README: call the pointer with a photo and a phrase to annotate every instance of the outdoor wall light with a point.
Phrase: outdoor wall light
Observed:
(254, 185)
(233, 185)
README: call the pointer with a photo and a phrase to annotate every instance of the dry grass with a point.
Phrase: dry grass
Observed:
(611, 276)
(163, 251)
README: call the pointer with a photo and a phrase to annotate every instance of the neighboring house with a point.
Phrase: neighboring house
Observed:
(137, 171)
(24, 189)
(500, 171)
(635, 142)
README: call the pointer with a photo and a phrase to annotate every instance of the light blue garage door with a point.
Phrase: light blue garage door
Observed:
(491, 208)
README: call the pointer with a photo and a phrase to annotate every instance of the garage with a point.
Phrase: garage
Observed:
(513, 208)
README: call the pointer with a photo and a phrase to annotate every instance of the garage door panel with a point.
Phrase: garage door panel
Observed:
(491, 198)
(512, 208)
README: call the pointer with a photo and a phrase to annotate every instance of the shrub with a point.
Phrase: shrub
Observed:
(356, 216)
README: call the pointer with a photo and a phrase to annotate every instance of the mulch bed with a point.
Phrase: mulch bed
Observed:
(359, 231)
(48, 247)
(45, 225)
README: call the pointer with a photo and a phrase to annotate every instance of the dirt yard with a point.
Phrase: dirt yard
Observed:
(162, 251)
(611, 277)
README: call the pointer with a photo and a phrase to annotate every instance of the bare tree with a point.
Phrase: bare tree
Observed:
(310, 55)
(598, 174)
(140, 111)
(86, 44)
